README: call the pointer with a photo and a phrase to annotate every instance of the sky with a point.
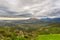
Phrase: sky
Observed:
(29, 8)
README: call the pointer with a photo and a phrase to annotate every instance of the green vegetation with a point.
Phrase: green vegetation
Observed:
(9, 31)
(48, 37)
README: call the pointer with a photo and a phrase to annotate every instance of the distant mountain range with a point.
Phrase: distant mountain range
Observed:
(34, 20)
(50, 20)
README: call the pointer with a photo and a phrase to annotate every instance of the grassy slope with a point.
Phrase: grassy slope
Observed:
(49, 37)
(30, 31)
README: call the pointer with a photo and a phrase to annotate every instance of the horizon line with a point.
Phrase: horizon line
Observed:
(7, 18)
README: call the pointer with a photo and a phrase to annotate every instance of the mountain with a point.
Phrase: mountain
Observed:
(56, 20)
(50, 20)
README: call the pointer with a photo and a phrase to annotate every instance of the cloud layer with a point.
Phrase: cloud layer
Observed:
(30, 8)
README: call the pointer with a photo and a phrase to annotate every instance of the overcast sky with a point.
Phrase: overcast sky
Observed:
(29, 8)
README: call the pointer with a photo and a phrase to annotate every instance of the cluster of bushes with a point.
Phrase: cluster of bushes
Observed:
(10, 34)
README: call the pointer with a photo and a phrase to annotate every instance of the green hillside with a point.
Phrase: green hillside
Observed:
(48, 37)
(29, 31)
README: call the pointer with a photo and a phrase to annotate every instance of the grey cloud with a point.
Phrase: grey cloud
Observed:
(30, 8)
(5, 12)
(55, 12)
